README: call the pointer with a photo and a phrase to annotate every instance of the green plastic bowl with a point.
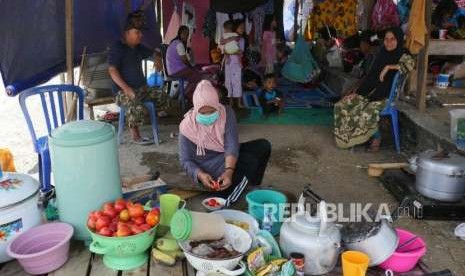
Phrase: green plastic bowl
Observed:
(123, 253)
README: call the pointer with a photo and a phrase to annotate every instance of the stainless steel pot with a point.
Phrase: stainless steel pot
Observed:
(378, 246)
(441, 176)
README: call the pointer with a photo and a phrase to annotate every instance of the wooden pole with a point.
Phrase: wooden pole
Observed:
(422, 63)
(69, 51)
(296, 15)
(69, 42)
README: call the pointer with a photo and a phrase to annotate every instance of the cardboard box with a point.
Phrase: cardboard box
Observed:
(145, 191)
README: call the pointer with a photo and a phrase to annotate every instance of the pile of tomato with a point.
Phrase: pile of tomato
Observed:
(122, 218)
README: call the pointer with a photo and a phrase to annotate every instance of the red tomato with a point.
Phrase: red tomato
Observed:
(105, 231)
(135, 229)
(91, 223)
(101, 222)
(135, 210)
(120, 205)
(138, 220)
(152, 218)
(113, 226)
(93, 215)
(145, 227)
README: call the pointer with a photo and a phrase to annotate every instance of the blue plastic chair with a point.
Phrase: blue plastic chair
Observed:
(170, 79)
(51, 97)
(153, 118)
(391, 109)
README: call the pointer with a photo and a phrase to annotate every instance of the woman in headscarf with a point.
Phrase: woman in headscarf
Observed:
(209, 148)
(356, 116)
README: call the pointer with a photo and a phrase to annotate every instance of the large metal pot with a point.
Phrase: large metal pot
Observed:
(441, 176)
(318, 240)
(379, 242)
(19, 211)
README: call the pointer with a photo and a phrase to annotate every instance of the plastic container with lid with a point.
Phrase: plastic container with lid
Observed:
(19, 211)
(85, 166)
(196, 226)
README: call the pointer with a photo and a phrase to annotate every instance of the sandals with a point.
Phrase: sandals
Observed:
(143, 141)
(110, 116)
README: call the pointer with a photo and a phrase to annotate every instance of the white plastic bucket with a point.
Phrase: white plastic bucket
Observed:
(455, 114)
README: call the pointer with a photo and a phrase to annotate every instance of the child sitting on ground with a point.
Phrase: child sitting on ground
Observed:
(271, 100)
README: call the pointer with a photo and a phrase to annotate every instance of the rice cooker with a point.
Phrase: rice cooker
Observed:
(19, 211)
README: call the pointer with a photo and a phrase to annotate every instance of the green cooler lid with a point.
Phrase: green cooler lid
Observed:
(181, 225)
(82, 133)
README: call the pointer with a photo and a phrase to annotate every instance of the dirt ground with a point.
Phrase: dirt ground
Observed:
(300, 155)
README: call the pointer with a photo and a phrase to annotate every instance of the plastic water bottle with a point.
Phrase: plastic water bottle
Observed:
(267, 223)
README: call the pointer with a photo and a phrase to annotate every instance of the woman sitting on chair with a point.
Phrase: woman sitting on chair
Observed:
(356, 116)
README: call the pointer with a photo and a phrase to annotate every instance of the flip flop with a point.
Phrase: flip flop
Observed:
(143, 141)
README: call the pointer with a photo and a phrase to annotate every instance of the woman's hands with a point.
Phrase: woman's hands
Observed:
(206, 179)
(386, 70)
(225, 180)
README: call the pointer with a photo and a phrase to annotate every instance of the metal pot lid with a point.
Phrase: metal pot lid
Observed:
(358, 231)
(16, 187)
(450, 164)
(305, 221)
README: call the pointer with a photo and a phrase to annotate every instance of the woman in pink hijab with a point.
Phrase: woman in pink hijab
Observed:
(209, 146)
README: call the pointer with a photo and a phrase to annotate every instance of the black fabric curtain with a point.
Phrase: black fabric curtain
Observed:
(232, 6)
(32, 35)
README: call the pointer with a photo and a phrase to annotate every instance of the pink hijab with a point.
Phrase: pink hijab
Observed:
(205, 137)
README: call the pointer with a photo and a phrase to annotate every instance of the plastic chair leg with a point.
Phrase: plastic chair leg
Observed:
(153, 119)
(395, 129)
(122, 114)
(182, 97)
(44, 171)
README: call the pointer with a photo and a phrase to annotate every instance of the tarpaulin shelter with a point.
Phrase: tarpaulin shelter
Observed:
(32, 35)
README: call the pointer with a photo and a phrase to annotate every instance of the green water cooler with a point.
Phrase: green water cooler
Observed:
(85, 168)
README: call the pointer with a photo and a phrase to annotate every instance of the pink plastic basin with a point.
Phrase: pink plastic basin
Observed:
(405, 261)
(43, 248)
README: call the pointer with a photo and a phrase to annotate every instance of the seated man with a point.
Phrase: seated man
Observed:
(125, 68)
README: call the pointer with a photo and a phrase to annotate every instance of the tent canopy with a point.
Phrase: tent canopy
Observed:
(232, 6)
(33, 36)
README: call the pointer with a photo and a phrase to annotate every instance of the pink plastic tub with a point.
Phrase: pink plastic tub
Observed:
(401, 260)
(43, 248)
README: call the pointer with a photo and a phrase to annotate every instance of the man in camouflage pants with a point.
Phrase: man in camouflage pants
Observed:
(125, 68)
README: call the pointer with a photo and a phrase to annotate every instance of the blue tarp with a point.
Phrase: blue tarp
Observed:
(32, 36)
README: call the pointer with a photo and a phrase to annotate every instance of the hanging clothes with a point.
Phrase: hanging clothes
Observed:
(269, 7)
(417, 27)
(403, 8)
(189, 20)
(385, 15)
(258, 17)
(304, 14)
(300, 66)
(342, 15)
(209, 25)
(173, 26)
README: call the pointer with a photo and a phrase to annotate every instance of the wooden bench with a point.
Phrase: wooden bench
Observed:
(95, 102)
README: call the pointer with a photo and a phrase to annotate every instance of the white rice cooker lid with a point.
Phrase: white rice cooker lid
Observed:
(451, 164)
(16, 187)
